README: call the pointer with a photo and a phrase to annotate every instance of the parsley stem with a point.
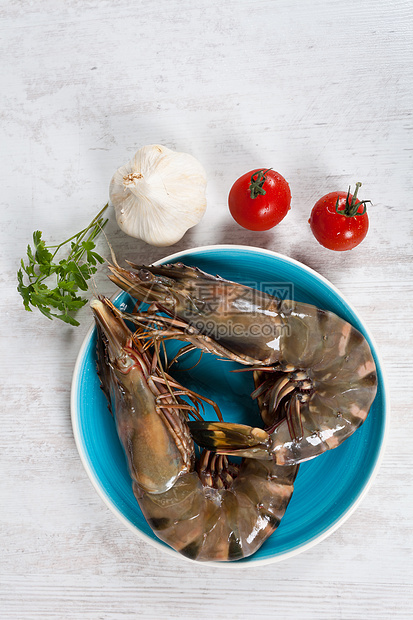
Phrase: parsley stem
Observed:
(79, 236)
(98, 225)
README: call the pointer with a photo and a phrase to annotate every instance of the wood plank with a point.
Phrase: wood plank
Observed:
(321, 91)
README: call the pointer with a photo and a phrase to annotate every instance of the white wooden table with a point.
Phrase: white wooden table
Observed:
(322, 92)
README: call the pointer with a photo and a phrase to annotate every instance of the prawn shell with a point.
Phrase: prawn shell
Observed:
(221, 512)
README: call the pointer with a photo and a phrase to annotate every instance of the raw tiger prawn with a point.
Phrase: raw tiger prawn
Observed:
(315, 376)
(206, 508)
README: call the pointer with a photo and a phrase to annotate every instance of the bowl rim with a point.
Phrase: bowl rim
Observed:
(283, 555)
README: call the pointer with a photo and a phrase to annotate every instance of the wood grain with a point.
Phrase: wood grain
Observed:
(322, 92)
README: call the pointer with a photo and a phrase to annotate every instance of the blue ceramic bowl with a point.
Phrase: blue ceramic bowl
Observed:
(327, 490)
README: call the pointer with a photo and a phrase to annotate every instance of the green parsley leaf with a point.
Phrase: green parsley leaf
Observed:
(69, 274)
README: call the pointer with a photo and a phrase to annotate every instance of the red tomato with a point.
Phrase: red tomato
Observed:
(339, 220)
(259, 199)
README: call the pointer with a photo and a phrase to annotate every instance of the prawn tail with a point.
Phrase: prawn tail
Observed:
(232, 439)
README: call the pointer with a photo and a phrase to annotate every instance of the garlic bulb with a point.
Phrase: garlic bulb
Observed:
(158, 195)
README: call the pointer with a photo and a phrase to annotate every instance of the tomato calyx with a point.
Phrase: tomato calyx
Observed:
(256, 184)
(351, 208)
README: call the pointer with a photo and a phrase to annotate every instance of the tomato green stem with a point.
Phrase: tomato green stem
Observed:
(256, 184)
(352, 206)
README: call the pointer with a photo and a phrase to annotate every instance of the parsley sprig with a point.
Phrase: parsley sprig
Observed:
(65, 277)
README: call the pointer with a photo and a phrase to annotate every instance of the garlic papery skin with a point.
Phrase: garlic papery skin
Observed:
(158, 195)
